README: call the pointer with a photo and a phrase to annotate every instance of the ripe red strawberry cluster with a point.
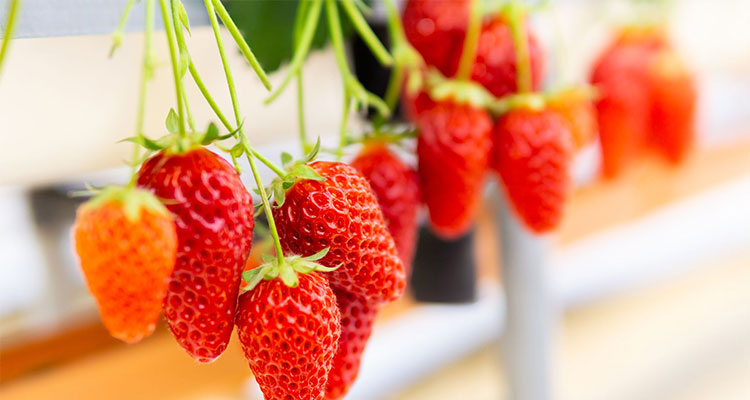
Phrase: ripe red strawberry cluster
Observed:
(302, 340)
(648, 99)
(529, 148)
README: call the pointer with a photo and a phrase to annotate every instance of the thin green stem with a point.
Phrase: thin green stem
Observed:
(301, 114)
(299, 23)
(146, 73)
(13, 9)
(171, 41)
(243, 139)
(517, 19)
(344, 123)
(268, 163)
(361, 96)
(366, 33)
(241, 43)
(391, 93)
(301, 51)
(206, 95)
(117, 35)
(471, 41)
(395, 27)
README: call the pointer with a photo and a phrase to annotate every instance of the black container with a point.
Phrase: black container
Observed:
(444, 271)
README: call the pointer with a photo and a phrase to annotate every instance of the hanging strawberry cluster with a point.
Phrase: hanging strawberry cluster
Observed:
(476, 103)
(176, 238)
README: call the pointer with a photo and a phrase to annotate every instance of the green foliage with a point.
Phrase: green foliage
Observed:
(267, 26)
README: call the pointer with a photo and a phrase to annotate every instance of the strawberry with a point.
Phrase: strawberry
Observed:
(214, 216)
(623, 107)
(289, 335)
(673, 100)
(396, 187)
(436, 29)
(357, 319)
(579, 113)
(342, 214)
(532, 155)
(495, 62)
(453, 148)
(126, 243)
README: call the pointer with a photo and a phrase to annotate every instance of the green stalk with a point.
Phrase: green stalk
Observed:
(300, 52)
(366, 33)
(241, 43)
(117, 35)
(523, 63)
(171, 41)
(242, 137)
(351, 84)
(206, 95)
(298, 26)
(344, 122)
(224, 121)
(471, 41)
(13, 9)
(146, 73)
(391, 93)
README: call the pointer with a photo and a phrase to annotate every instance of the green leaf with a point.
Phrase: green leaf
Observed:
(211, 134)
(317, 256)
(237, 150)
(289, 276)
(306, 172)
(286, 159)
(184, 18)
(279, 194)
(313, 153)
(254, 276)
(145, 142)
(267, 25)
(172, 122)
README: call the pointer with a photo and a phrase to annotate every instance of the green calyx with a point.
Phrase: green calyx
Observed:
(176, 143)
(287, 270)
(132, 199)
(294, 170)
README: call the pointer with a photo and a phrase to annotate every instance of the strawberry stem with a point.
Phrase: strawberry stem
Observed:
(146, 73)
(342, 128)
(300, 52)
(241, 43)
(300, 23)
(471, 41)
(251, 154)
(13, 9)
(171, 41)
(117, 34)
(517, 16)
(366, 33)
(359, 94)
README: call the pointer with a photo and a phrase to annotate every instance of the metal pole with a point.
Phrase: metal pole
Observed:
(528, 341)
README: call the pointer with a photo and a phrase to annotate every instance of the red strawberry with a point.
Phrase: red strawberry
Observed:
(214, 216)
(341, 213)
(495, 62)
(126, 243)
(532, 155)
(453, 150)
(357, 319)
(623, 108)
(436, 29)
(396, 187)
(673, 100)
(289, 336)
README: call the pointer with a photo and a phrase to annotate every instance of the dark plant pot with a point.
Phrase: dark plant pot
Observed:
(444, 271)
(369, 71)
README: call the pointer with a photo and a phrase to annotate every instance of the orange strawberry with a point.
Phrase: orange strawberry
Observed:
(127, 244)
